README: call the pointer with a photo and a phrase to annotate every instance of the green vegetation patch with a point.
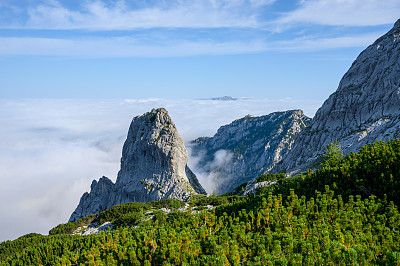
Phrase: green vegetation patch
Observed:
(375, 170)
(167, 203)
(69, 228)
(270, 177)
(214, 200)
(152, 117)
(258, 230)
(343, 214)
(120, 215)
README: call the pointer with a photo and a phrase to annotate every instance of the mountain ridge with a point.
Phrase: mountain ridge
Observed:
(249, 146)
(365, 107)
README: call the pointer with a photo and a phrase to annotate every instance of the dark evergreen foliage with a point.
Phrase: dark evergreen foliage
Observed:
(270, 177)
(336, 216)
(375, 170)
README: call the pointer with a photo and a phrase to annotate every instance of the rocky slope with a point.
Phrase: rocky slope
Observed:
(247, 147)
(365, 107)
(153, 167)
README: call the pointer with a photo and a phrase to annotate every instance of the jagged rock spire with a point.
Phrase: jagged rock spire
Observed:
(153, 167)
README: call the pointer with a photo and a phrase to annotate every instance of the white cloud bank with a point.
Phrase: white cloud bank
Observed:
(212, 176)
(51, 150)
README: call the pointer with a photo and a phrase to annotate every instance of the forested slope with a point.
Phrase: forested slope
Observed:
(374, 170)
(343, 214)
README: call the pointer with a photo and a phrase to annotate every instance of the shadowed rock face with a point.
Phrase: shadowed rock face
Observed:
(250, 146)
(95, 201)
(365, 107)
(153, 167)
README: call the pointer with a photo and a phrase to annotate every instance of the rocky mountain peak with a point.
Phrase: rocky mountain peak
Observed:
(153, 167)
(154, 157)
(365, 107)
(397, 24)
(153, 140)
(246, 148)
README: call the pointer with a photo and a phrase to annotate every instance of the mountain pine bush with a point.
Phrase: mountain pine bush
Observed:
(342, 214)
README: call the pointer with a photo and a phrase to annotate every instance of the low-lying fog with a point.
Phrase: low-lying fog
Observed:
(51, 150)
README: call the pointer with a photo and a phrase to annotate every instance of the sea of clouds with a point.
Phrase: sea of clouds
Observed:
(51, 150)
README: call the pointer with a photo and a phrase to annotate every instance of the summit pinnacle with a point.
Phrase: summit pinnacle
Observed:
(153, 167)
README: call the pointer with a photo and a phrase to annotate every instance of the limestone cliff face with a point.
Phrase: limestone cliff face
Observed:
(365, 107)
(154, 161)
(95, 201)
(250, 146)
(153, 167)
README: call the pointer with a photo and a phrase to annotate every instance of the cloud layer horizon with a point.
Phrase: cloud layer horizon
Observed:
(51, 150)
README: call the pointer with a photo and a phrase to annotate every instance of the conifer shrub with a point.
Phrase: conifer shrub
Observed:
(270, 177)
(343, 214)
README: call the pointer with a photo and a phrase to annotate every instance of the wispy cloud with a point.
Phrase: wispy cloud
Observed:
(96, 28)
(126, 15)
(214, 175)
(51, 150)
(315, 43)
(342, 13)
(123, 15)
(98, 15)
(124, 47)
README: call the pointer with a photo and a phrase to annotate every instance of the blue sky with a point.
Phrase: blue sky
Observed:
(184, 48)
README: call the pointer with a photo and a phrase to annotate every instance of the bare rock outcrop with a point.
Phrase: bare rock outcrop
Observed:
(364, 108)
(247, 147)
(153, 167)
